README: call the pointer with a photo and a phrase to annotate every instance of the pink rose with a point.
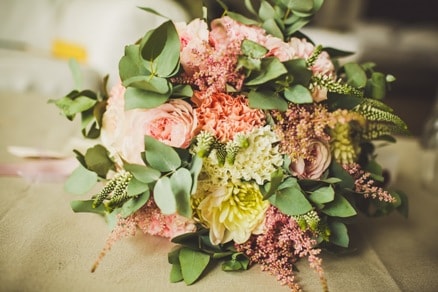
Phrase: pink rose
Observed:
(194, 44)
(173, 123)
(315, 166)
(226, 30)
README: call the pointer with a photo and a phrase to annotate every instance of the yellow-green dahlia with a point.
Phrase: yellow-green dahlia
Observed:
(233, 212)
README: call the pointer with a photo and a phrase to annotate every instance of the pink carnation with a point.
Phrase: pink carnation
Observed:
(224, 115)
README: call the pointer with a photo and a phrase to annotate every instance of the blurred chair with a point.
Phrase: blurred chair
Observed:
(37, 37)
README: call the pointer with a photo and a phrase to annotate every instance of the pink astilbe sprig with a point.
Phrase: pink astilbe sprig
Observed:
(280, 247)
(125, 227)
(299, 126)
(366, 185)
(150, 220)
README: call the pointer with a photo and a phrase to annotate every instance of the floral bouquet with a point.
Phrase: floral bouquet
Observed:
(239, 139)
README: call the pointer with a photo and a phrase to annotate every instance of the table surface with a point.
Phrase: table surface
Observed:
(44, 246)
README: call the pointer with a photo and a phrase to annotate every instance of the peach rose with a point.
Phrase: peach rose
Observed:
(173, 123)
(315, 166)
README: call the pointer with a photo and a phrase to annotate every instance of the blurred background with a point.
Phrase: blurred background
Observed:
(37, 37)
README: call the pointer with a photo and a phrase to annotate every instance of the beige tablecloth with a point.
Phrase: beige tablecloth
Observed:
(44, 246)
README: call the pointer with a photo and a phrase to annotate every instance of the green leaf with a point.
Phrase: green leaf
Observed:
(176, 273)
(181, 184)
(195, 170)
(322, 195)
(237, 262)
(272, 186)
(271, 68)
(150, 10)
(298, 94)
(136, 187)
(291, 200)
(336, 170)
(160, 50)
(339, 207)
(75, 69)
(134, 204)
(376, 86)
(98, 160)
(298, 71)
(193, 264)
(86, 207)
(130, 64)
(164, 197)
(339, 234)
(149, 83)
(139, 98)
(143, 173)
(70, 107)
(253, 49)
(182, 90)
(267, 100)
(80, 181)
(356, 75)
(272, 28)
(161, 156)
(266, 11)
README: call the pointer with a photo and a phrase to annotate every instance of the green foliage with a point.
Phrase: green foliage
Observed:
(160, 156)
(290, 199)
(146, 67)
(80, 181)
(381, 120)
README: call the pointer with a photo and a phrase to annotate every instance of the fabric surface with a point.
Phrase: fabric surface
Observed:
(44, 246)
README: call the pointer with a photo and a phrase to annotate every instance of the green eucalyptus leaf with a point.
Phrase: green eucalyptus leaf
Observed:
(195, 170)
(241, 18)
(131, 64)
(161, 156)
(252, 49)
(336, 170)
(136, 187)
(80, 181)
(356, 75)
(149, 83)
(164, 197)
(323, 195)
(266, 100)
(143, 173)
(298, 94)
(98, 160)
(86, 207)
(139, 98)
(193, 263)
(376, 86)
(182, 90)
(238, 262)
(71, 107)
(176, 273)
(181, 184)
(134, 204)
(272, 28)
(339, 234)
(266, 11)
(339, 207)
(271, 68)
(160, 50)
(291, 201)
(298, 70)
(272, 186)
